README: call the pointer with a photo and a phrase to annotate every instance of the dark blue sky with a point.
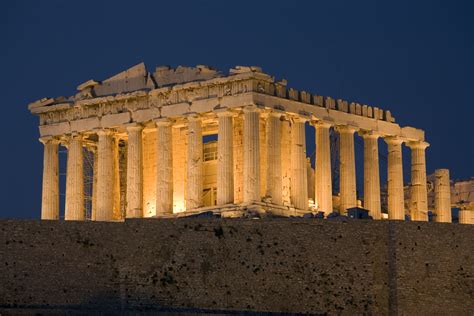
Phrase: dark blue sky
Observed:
(412, 57)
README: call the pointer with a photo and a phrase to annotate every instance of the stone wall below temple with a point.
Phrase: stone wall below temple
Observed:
(267, 265)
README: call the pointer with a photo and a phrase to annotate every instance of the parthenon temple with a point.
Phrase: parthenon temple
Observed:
(183, 141)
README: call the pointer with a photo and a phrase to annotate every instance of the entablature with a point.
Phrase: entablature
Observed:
(85, 113)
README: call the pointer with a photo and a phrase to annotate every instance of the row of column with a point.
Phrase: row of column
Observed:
(251, 169)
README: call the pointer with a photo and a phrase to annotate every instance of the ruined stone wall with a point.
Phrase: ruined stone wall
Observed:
(285, 265)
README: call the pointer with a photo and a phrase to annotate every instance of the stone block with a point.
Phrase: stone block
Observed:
(352, 108)
(358, 110)
(145, 115)
(55, 129)
(85, 124)
(114, 120)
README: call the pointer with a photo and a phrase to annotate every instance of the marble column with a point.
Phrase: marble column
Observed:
(134, 172)
(274, 175)
(323, 180)
(347, 172)
(105, 176)
(396, 202)
(194, 182)
(442, 191)
(117, 209)
(164, 168)
(418, 189)
(94, 183)
(251, 154)
(299, 182)
(74, 209)
(225, 161)
(50, 194)
(371, 174)
(466, 216)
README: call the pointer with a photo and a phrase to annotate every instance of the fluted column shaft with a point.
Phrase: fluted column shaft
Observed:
(371, 175)
(396, 202)
(418, 189)
(251, 154)
(164, 168)
(94, 183)
(442, 191)
(194, 184)
(225, 161)
(323, 181)
(347, 172)
(134, 172)
(74, 209)
(299, 181)
(50, 193)
(105, 176)
(274, 175)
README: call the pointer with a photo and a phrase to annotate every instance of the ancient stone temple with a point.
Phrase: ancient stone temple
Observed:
(147, 134)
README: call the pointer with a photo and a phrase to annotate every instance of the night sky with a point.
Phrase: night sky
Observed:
(414, 58)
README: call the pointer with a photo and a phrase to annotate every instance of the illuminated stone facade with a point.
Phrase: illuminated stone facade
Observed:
(256, 164)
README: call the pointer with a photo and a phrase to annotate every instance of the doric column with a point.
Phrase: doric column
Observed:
(94, 183)
(396, 202)
(323, 181)
(466, 216)
(442, 191)
(194, 184)
(371, 174)
(164, 168)
(105, 176)
(134, 172)
(347, 172)
(310, 179)
(74, 180)
(418, 190)
(225, 161)
(251, 154)
(274, 176)
(299, 182)
(117, 209)
(50, 195)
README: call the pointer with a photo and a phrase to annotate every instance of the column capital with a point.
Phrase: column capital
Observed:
(298, 119)
(49, 140)
(276, 113)
(65, 140)
(223, 112)
(346, 129)
(251, 108)
(163, 121)
(321, 124)
(104, 132)
(134, 127)
(417, 144)
(193, 117)
(369, 134)
(393, 140)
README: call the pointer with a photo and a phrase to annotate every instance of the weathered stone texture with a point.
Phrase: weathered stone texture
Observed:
(150, 152)
(179, 168)
(238, 140)
(286, 265)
